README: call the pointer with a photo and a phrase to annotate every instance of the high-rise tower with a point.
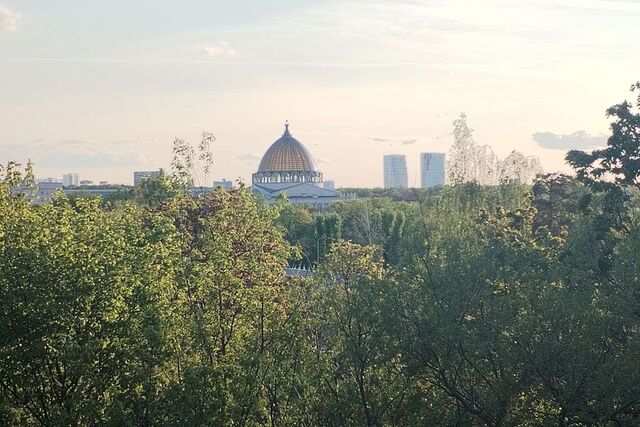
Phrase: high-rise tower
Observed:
(432, 169)
(395, 171)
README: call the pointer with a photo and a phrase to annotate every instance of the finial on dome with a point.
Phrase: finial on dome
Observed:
(286, 127)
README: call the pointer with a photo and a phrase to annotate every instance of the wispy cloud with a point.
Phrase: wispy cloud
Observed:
(250, 159)
(220, 48)
(271, 63)
(133, 141)
(72, 153)
(576, 140)
(601, 5)
(378, 139)
(9, 20)
(408, 141)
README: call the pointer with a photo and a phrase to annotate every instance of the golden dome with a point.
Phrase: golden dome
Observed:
(287, 154)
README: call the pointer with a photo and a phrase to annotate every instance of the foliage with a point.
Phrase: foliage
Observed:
(619, 163)
(559, 199)
(192, 165)
(465, 305)
(473, 306)
(130, 316)
(156, 190)
(327, 230)
(470, 162)
(17, 180)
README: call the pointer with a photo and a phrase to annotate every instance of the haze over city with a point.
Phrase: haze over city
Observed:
(102, 88)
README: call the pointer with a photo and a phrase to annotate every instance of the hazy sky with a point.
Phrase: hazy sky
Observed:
(102, 87)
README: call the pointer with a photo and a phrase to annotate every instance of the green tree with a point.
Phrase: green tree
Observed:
(559, 200)
(463, 310)
(393, 223)
(358, 375)
(620, 160)
(157, 190)
(66, 274)
(229, 280)
(328, 229)
(192, 165)
(298, 224)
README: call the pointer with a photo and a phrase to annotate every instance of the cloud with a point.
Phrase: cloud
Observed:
(216, 49)
(323, 161)
(376, 139)
(408, 141)
(133, 141)
(250, 159)
(577, 140)
(71, 153)
(601, 5)
(9, 20)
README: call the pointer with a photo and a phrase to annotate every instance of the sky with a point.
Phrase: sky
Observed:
(102, 88)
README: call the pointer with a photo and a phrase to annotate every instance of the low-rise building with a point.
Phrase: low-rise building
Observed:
(227, 185)
(45, 190)
(140, 176)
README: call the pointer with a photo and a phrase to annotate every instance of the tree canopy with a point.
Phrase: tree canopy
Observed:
(466, 305)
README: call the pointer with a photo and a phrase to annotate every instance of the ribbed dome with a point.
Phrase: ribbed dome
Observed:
(287, 154)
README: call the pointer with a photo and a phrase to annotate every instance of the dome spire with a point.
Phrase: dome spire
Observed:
(286, 128)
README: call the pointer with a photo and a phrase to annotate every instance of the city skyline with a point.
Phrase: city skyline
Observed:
(102, 90)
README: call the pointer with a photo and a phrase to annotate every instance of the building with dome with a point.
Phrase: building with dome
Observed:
(288, 167)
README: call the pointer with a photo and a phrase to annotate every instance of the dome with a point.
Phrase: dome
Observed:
(287, 154)
(287, 160)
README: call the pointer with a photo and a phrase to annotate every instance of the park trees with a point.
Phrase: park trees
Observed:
(136, 315)
(470, 162)
(559, 200)
(67, 275)
(229, 277)
(464, 298)
(354, 364)
(618, 163)
(476, 305)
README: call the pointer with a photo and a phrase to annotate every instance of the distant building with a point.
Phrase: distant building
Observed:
(288, 168)
(228, 185)
(46, 189)
(432, 169)
(329, 185)
(86, 182)
(70, 180)
(104, 182)
(140, 176)
(395, 171)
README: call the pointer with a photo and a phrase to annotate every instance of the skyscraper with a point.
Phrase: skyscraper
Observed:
(432, 169)
(395, 171)
(70, 179)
